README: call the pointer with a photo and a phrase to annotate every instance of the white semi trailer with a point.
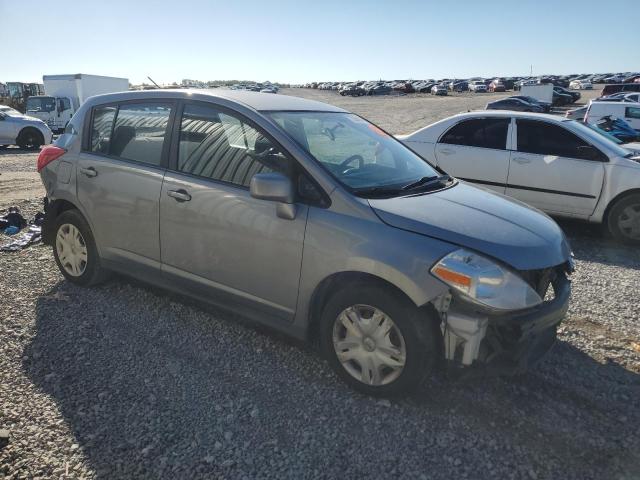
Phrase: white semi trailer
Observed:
(65, 93)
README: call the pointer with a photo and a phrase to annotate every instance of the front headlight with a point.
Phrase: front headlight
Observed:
(484, 281)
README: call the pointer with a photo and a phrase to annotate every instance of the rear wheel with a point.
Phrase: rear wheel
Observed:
(377, 341)
(75, 250)
(624, 219)
(30, 139)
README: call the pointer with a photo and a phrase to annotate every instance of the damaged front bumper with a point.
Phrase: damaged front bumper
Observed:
(503, 343)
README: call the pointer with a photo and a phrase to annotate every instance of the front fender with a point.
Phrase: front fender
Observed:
(339, 243)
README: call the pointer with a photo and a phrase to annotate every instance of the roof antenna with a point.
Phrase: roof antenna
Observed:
(154, 82)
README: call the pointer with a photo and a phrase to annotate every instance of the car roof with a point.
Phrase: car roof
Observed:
(601, 104)
(508, 113)
(255, 100)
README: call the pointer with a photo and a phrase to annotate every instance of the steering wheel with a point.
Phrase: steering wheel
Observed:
(346, 162)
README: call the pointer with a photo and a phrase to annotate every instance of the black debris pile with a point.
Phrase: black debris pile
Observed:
(13, 222)
(4, 438)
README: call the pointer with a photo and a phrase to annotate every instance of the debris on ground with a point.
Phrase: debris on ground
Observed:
(13, 218)
(4, 438)
(13, 222)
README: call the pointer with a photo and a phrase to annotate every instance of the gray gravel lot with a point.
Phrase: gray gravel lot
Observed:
(127, 381)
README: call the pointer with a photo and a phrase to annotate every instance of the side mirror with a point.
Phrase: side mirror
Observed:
(275, 187)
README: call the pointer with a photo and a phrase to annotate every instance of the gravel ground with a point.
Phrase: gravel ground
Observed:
(127, 381)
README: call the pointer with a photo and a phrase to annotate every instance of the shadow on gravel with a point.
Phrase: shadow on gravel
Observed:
(155, 388)
(590, 243)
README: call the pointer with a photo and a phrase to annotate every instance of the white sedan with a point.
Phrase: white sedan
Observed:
(557, 165)
(18, 129)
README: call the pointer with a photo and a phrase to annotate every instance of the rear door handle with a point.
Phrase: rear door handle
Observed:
(446, 151)
(89, 172)
(522, 160)
(180, 195)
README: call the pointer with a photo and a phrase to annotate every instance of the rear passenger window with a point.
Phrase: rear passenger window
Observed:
(480, 132)
(545, 139)
(139, 132)
(216, 145)
(101, 128)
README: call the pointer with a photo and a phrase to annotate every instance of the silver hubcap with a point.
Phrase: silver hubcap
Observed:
(71, 250)
(629, 222)
(369, 345)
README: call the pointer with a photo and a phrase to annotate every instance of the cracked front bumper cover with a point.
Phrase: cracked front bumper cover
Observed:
(514, 342)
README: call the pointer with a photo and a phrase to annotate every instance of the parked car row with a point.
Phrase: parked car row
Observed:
(478, 84)
(579, 82)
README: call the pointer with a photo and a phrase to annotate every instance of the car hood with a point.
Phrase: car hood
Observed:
(489, 223)
(633, 146)
(27, 118)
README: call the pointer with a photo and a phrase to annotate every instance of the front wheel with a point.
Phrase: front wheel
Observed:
(75, 250)
(377, 341)
(624, 219)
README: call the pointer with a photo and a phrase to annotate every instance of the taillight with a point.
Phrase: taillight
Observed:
(48, 154)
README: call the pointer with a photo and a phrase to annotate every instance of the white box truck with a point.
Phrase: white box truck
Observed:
(65, 93)
(542, 93)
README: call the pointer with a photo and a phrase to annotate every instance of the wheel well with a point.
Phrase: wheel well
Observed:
(54, 209)
(332, 284)
(29, 129)
(620, 196)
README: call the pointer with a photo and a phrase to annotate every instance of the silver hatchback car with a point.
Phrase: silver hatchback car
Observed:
(309, 219)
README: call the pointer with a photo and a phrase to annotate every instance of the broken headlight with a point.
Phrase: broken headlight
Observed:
(484, 281)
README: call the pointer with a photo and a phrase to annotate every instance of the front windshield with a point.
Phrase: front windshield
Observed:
(41, 104)
(357, 153)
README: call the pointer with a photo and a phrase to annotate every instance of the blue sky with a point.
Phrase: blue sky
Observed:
(298, 41)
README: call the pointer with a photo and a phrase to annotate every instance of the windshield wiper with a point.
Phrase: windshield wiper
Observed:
(375, 191)
(424, 181)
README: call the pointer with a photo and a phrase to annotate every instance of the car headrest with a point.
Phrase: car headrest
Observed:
(121, 138)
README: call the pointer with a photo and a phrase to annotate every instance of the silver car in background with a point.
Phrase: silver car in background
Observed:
(307, 218)
(24, 131)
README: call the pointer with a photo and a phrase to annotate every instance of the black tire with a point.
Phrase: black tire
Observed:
(418, 329)
(93, 272)
(618, 219)
(30, 139)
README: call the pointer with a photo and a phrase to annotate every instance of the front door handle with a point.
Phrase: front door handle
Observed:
(89, 172)
(180, 195)
(522, 160)
(446, 151)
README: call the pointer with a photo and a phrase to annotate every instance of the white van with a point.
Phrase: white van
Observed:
(629, 112)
